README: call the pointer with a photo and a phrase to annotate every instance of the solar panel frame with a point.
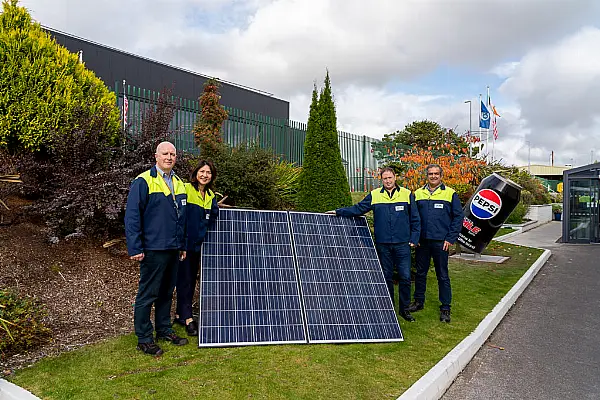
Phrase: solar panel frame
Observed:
(345, 317)
(263, 302)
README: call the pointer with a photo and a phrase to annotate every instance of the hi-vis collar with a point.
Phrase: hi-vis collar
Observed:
(444, 194)
(441, 187)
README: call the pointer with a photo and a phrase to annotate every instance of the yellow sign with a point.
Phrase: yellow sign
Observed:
(559, 187)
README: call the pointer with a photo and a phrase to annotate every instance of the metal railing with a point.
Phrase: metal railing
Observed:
(285, 137)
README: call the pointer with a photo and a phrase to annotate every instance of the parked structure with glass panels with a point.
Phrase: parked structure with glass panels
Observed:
(581, 222)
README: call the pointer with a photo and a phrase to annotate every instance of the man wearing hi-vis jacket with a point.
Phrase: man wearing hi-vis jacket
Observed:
(396, 225)
(155, 221)
(441, 220)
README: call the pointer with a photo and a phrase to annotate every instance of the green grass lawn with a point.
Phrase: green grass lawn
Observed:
(115, 370)
(503, 231)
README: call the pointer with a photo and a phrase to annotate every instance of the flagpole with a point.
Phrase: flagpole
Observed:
(470, 136)
(480, 141)
(487, 131)
(493, 148)
(492, 115)
(123, 111)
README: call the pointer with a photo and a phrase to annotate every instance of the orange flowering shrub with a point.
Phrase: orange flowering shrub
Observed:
(461, 172)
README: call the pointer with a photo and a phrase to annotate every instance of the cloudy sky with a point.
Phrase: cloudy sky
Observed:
(391, 61)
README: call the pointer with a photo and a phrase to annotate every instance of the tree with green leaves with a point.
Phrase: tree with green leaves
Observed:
(322, 184)
(44, 89)
(425, 134)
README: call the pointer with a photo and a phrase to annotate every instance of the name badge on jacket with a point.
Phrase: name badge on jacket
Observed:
(438, 205)
(399, 208)
(207, 216)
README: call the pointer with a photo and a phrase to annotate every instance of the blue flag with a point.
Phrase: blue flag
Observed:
(484, 119)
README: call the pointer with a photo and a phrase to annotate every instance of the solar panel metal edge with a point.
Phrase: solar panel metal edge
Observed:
(397, 336)
(299, 312)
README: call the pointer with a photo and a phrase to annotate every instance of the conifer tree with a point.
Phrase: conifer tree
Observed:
(323, 182)
(44, 88)
(207, 131)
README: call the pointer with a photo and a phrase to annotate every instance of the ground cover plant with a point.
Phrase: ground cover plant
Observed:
(113, 369)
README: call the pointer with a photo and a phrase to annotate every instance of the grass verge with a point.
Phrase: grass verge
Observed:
(504, 231)
(114, 369)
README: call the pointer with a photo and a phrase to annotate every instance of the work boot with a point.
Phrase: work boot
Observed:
(173, 338)
(415, 306)
(150, 348)
(445, 315)
(406, 315)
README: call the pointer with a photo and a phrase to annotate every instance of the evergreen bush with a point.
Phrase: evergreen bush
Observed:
(246, 174)
(517, 215)
(43, 87)
(322, 184)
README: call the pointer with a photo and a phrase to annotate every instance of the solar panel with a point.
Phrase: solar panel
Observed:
(249, 290)
(272, 277)
(344, 292)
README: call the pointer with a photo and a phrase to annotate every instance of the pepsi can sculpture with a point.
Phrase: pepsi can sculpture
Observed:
(485, 212)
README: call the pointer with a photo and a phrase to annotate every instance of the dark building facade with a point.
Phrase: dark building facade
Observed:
(113, 65)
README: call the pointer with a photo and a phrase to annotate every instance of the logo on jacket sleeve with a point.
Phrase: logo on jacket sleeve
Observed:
(486, 204)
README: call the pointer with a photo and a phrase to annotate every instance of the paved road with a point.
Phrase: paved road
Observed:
(551, 336)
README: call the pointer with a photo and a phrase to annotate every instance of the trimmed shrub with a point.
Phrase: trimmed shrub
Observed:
(21, 326)
(246, 174)
(323, 184)
(516, 217)
(43, 87)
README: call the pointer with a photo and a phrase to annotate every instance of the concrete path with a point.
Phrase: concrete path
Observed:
(550, 339)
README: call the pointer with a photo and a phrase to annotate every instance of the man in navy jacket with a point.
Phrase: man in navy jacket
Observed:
(396, 225)
(155, 221)
(441, 220)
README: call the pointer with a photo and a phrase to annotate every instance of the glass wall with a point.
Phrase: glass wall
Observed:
(583, 210)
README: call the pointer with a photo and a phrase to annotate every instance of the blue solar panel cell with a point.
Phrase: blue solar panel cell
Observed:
(344, 292)
(248, 285)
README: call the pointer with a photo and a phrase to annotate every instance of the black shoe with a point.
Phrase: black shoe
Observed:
(406, 315)
(445, 315)
(415, 306)
(150, 348)
(192, 329)
(173, 338)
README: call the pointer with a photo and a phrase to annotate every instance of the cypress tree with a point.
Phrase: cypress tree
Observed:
(323, 182)
(43, 88)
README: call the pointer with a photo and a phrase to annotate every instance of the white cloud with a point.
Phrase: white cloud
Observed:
(282, 46)
(558, 91)
(506, 69)
(286, 43)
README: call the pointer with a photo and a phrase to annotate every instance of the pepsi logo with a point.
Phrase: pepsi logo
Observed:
(486, 204)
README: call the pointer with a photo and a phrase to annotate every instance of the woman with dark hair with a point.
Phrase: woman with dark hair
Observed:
(202, 210)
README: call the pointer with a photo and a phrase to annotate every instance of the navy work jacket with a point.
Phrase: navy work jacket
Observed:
(154, 218)
(441, 213)
(396, 219)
